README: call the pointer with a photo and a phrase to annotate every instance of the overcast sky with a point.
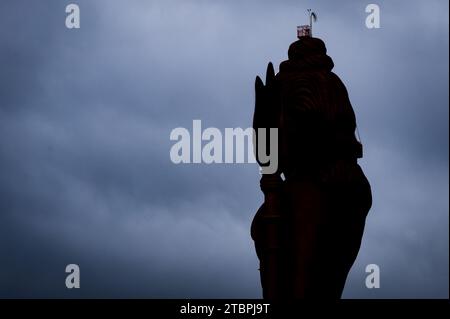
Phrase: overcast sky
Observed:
(85, 119)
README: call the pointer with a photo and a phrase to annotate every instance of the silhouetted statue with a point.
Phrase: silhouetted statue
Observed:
(308, 231)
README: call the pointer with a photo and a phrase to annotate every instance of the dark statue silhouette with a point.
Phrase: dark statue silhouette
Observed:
(308, 231)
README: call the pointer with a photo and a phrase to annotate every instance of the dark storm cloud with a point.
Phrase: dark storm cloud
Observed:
(85, 118)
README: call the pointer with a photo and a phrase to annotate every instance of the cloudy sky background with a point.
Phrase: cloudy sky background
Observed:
(85, 118)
